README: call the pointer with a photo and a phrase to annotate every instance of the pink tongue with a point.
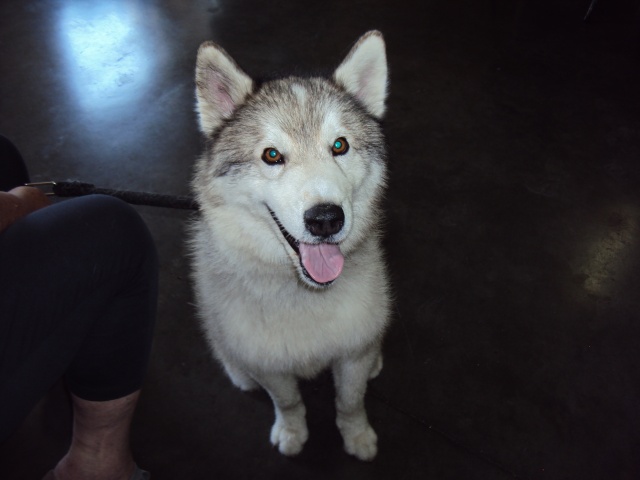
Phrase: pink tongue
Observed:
(323, 261)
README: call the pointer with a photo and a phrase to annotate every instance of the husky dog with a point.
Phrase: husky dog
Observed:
(288, 269)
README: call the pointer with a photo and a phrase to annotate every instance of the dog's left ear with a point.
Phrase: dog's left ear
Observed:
(363, 73)
(221, 86)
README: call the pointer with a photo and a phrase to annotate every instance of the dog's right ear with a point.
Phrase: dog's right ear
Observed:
(221, 86)
(364, 73)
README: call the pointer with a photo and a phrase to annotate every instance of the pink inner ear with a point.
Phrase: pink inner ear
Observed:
(364, 79)
(224, 102)
(218, 93)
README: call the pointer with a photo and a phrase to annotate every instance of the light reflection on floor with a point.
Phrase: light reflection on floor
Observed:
(106, 53)
(608, 255)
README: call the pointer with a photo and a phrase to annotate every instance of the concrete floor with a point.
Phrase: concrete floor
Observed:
(513, 226)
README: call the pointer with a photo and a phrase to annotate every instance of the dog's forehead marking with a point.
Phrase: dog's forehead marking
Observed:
(293, 114)
(300, 93)
(299, 115)
(332, 123)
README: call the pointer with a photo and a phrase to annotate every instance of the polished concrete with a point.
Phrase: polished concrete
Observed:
(513, 226)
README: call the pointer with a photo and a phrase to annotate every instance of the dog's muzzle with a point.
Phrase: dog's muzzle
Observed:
(321, 262)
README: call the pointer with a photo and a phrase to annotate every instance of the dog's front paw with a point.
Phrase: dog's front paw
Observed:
(363, 444)
(289, 438)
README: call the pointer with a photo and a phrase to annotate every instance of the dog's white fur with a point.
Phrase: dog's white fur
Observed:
(267, 322)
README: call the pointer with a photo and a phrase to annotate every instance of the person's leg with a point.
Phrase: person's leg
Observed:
(13, 171)
(100, 443)
(78, 283)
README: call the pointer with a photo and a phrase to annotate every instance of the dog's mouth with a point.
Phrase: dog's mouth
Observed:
(321, 263)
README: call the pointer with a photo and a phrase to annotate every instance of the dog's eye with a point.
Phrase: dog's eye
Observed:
(272, 156)
(340, 146)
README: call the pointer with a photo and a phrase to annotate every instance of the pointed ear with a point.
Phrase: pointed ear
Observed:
(221, 86)
(363, 73)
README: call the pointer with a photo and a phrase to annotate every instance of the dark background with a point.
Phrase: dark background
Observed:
(513, 222)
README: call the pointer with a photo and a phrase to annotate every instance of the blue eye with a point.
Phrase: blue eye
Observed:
(340, 146)
(271, 156)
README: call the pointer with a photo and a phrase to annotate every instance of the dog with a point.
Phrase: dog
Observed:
(288, 269)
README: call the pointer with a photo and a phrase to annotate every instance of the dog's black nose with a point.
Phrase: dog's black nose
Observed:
(324, 220)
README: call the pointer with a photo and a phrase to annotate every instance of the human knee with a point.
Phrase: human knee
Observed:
(121, 223)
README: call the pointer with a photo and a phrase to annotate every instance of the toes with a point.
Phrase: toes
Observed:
(363, 445)
(289, 439)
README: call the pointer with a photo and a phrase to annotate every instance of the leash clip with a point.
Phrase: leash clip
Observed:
(46, 187)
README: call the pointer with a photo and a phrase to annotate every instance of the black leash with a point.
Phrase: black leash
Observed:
(79, 189)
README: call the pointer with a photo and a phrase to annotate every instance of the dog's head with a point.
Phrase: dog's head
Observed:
(300, 159)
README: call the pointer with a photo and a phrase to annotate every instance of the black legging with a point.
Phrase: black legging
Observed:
(78, 289)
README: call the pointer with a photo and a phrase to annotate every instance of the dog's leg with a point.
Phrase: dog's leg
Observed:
(377, 366)
(350, 376)
(239, 378)
(289, 432)
(236, 374)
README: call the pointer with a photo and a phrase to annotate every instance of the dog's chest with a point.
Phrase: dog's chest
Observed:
(297, 329)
